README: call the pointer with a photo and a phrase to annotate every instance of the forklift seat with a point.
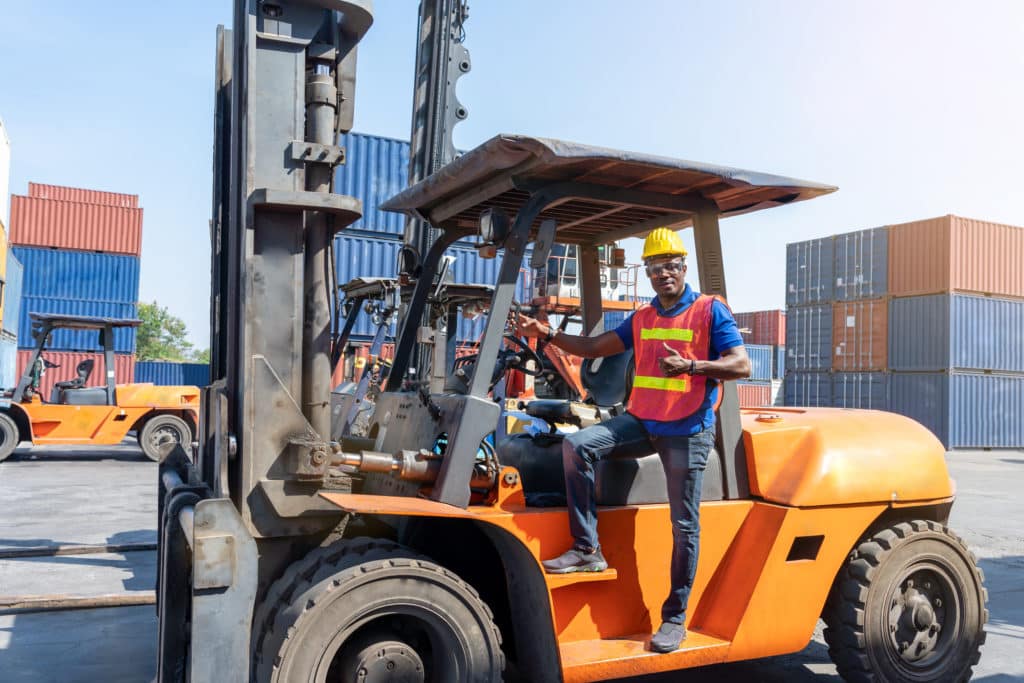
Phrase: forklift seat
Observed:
(61, 390)
(88, 396)
(608, 382)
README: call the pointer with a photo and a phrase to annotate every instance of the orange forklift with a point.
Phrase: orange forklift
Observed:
(411, 553)
(80, 414)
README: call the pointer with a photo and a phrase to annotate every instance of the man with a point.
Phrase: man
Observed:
(683, 341)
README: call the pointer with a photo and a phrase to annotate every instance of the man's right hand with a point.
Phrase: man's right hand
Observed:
(530, 327)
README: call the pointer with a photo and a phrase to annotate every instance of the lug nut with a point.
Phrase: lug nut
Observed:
(938, 602)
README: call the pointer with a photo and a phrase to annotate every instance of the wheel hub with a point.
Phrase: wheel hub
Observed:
(917, 616)
(388, 661)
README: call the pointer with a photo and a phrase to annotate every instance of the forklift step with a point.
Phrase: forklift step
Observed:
(584, 660)
(559, 580)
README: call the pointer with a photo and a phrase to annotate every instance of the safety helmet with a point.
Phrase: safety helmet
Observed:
(663, 242)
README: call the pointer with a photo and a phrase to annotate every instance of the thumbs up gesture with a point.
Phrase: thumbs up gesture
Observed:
(673, 364)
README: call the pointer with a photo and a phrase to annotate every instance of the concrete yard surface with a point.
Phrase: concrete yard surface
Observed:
(70, 496)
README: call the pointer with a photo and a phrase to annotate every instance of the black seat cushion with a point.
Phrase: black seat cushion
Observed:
(91, 396)
(639, 481)
(551, 410)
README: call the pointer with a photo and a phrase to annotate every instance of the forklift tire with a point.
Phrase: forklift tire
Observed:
(371, 610)
(9, 436)
(908, 606)
(159, 428)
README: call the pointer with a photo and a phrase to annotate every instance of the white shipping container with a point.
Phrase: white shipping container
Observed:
(5, 172)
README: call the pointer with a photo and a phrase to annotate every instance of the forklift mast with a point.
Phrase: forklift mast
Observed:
(441, 59)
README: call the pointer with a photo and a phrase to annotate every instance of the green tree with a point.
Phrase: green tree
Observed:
(161, 336)
(201, 356)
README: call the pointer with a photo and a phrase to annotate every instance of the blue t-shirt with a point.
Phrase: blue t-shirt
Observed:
(724, 335)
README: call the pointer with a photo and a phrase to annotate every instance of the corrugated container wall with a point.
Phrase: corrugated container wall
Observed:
(8, 362)
(375, 169)
(809, 338)
(809, 271)
(869, 390)
(754, 394)
(808, 389)
(76, 340)
(760, 361)
(860, 335)
(964, 410)
(75, 225)
(779, 368)
(862, 264)
(5, 170)
(78, 194)
(765, 327)
(13, 288)
(956, 254)
(612, 319)
(168, 373)
(124, 368)
(65, 274)
(962, 331)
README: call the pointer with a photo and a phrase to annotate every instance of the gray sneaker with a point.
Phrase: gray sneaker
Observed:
(576, 560)
(668, 637)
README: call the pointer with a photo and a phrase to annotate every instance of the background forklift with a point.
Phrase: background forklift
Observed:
(80, 413)
(285, 556)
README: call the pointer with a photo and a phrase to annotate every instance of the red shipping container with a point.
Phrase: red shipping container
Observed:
(954, 254)
(78, 194)
(75, 225)
(765, 327)
(754, 394)
(124, 368)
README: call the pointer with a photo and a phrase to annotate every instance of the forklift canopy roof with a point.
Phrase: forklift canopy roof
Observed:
(603, 194)
(81, 322)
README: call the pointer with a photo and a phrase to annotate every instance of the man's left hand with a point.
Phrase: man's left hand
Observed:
(673, 364)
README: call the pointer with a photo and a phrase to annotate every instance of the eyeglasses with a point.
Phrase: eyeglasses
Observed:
(670, 267)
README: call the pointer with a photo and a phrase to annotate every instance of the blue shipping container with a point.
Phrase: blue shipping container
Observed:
(8, 362)
(12, 294)
(612, 319)
(808, 389)
(809, 272)
(862, 264)
(86, 275)
(779, 369)
(168, 373)
(964, 410)
(809, 337)
(76, 340)
(375, 169)
(958, 331)
(869, 390)
(760, 362)
(360, 256)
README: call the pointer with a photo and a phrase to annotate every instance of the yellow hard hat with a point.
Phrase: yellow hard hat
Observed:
(663, 242)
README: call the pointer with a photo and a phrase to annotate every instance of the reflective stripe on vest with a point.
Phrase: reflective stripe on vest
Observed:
(655, 396)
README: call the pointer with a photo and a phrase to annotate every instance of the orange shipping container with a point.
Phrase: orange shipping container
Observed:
(124, 369)
(78, 194)
(75, 225)
(754, 395)
(860, 333)
(951, 253)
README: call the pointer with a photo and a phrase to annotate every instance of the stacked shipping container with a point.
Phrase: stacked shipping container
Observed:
(764, 335)
(80, 252)
(927, 318)
(956, 348)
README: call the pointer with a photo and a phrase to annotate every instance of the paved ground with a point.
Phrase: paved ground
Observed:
(72, 496)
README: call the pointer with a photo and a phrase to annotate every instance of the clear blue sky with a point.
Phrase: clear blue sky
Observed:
(912, 108)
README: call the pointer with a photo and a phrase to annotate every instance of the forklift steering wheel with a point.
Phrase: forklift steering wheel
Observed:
(513, 360)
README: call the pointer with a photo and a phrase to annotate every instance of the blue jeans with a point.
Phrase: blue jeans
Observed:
(683, 458)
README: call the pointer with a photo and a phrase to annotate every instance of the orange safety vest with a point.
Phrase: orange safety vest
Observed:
(655, 396)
